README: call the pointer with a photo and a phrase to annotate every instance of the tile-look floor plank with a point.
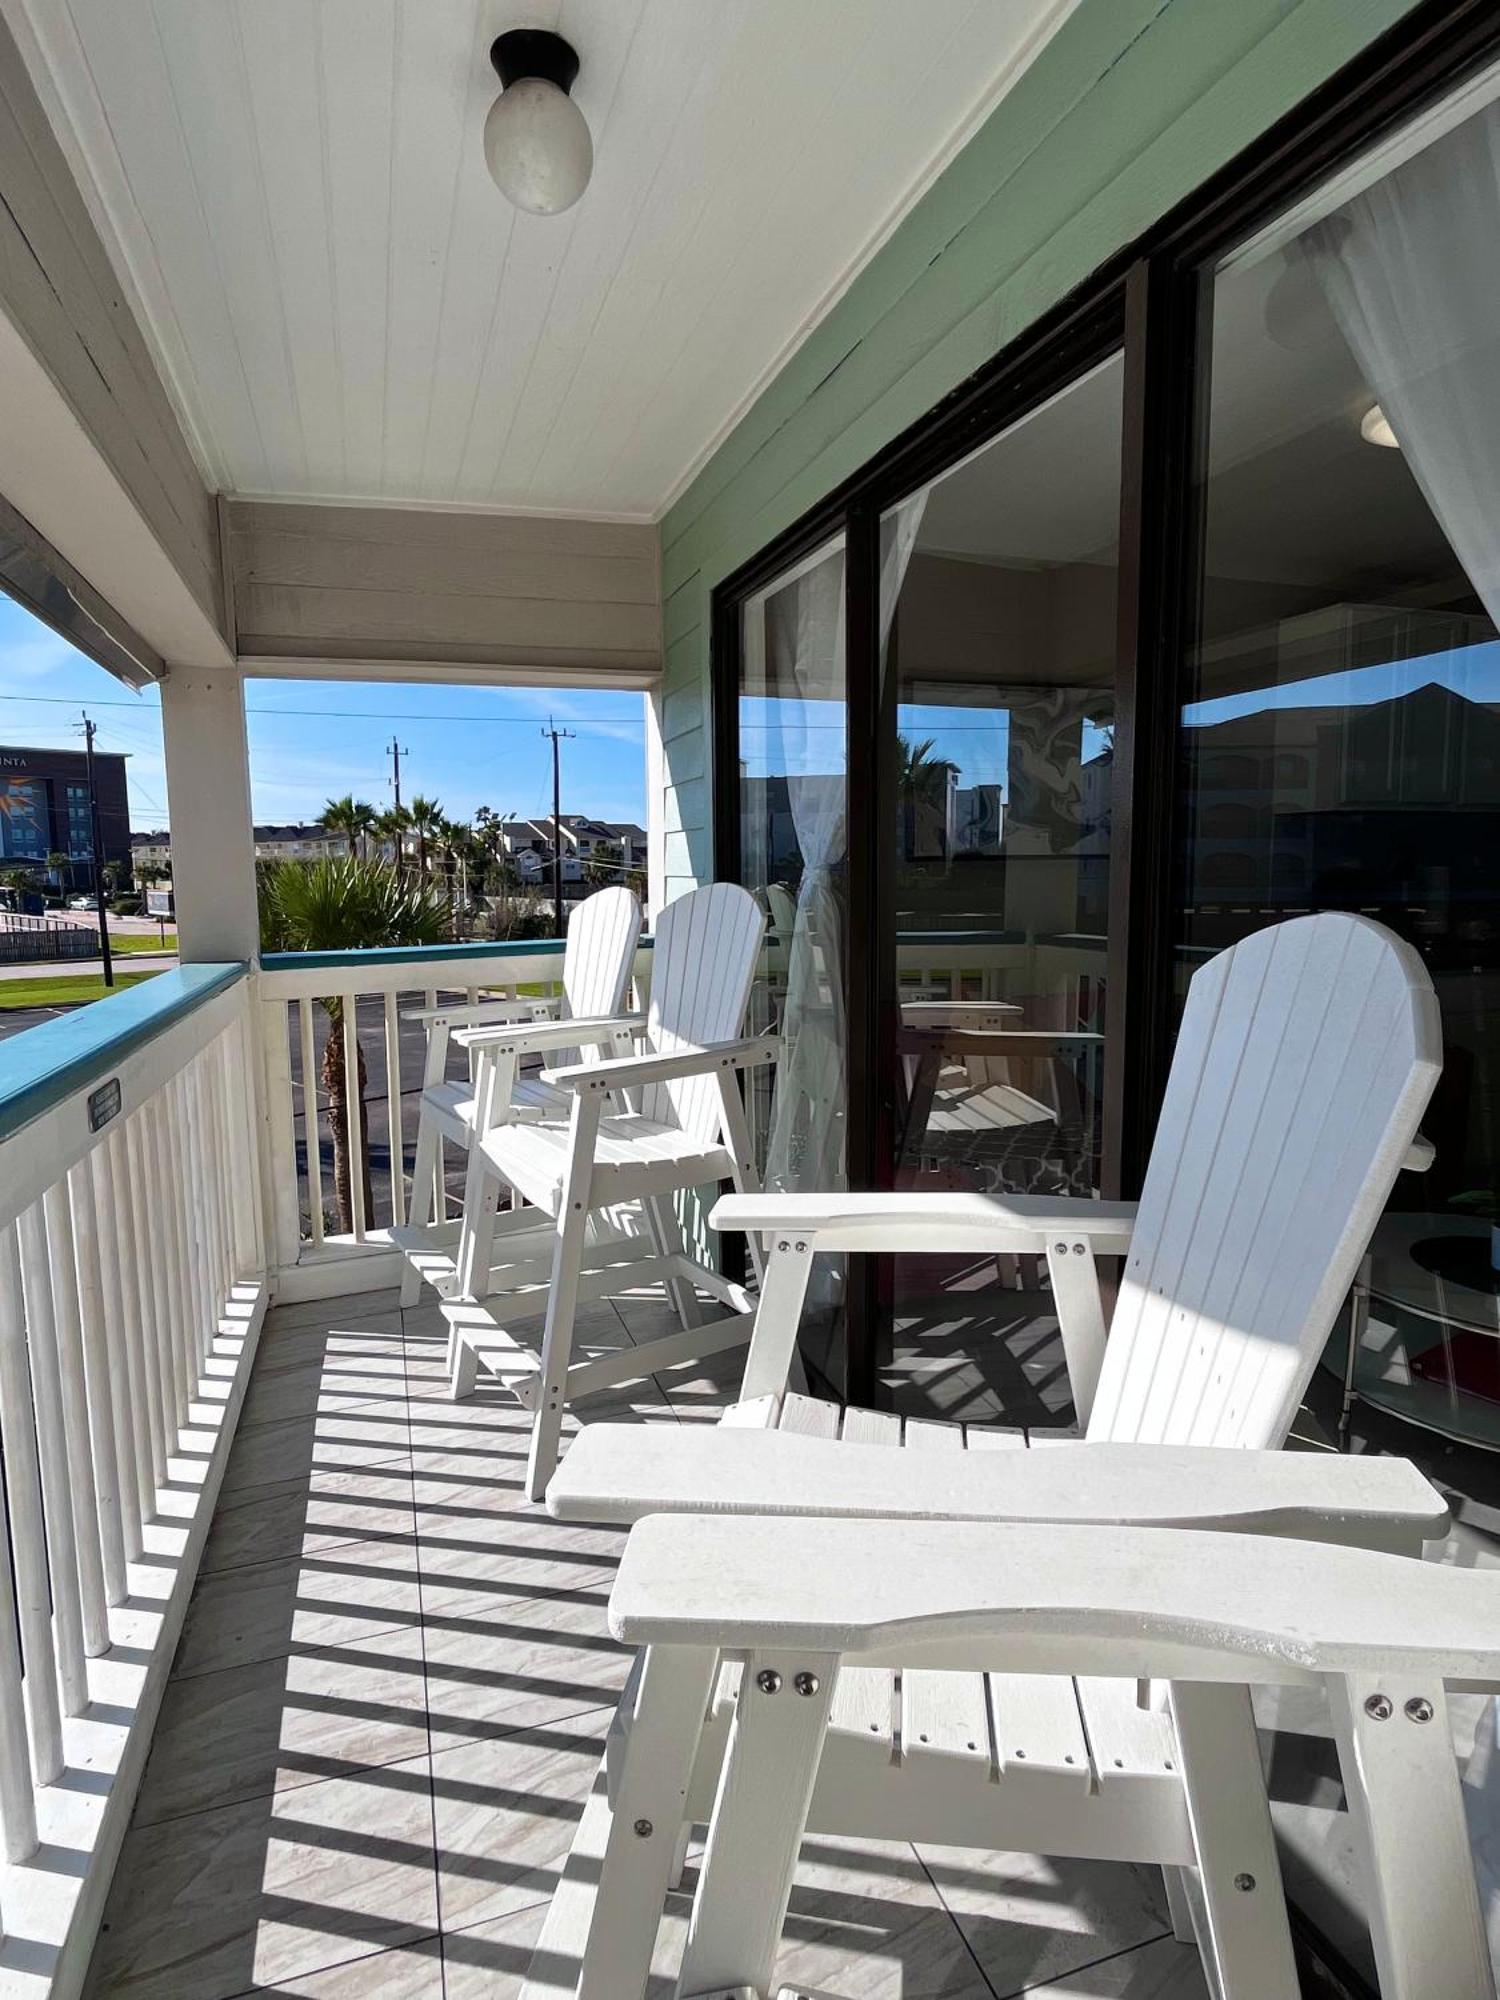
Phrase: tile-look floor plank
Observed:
(308, 1516)
(254, 1894)
(265, 1610)
(276, 1724)
(1028, 1919)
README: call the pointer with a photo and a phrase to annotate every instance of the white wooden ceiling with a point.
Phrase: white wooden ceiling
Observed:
(345, 306)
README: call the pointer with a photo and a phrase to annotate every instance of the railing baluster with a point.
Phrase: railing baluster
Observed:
(112, 1195)
(28, 1534)
(52, 1459)
(206, 1208)
(353, 1109)
(281, 1190)
(393, 1110)
(310, 1123)
(250, 1233)
(200, 1257)
(105, 1387)
(166, 1266)
(132, 1186)
(439, 1210)
(18, 1836)
(73, 1383)
(244, 1256)
(179, 1233)
(221, 1217)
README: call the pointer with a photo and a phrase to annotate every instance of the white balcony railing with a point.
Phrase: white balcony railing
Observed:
(372, 993)
(131, 1293)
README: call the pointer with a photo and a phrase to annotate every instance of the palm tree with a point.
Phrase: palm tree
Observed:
(344, 816)
(605, 865)
(921, 780)
(344, 905)
(426, 818)
(392, 826)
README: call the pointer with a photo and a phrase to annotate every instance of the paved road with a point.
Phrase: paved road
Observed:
(66, 968)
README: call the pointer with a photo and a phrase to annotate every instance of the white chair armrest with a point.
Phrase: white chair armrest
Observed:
(619, 1473)
(543, 1036)
(939, 1221)
(479, 1013)
(629, 1072)
(1133, 1602)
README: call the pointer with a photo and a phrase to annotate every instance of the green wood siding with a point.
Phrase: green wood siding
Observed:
(1130, 106)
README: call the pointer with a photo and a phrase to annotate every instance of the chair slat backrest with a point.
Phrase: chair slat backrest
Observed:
(703, 960)
(603, 932)
(1305, 1060)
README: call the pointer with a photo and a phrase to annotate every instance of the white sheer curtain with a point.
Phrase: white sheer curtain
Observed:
(1411, 271)
(806, 668)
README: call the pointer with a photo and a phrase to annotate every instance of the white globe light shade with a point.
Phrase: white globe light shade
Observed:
(1375, 428)
(537, 146)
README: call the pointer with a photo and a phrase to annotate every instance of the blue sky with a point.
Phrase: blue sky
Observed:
(312, 740)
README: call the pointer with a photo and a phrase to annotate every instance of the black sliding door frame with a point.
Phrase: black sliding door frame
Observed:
(1150, 302)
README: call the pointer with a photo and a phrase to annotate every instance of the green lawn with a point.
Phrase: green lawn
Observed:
(63, 989)
(139, 941)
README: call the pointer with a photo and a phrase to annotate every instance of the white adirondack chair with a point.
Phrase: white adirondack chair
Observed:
(639, 1130)
(1305, 1059)
(603, 933)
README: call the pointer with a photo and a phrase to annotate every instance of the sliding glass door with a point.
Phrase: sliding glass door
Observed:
(997, 614)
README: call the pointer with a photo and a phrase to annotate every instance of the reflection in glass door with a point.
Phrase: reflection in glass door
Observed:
(998, 620)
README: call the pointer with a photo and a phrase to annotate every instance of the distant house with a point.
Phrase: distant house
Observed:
(291, 842)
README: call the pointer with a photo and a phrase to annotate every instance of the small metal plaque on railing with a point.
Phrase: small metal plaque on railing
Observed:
(104, 1104)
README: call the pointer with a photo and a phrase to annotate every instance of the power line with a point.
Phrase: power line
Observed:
(352, 714)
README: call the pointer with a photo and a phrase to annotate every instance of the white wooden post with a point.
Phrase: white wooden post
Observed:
(208, 796)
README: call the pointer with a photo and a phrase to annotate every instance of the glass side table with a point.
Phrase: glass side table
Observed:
(1424, 1328)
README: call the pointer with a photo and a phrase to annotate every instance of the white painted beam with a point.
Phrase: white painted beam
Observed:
(208, 794)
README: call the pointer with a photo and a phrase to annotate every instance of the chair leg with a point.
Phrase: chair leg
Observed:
(419, 1209)
(476, 1239)
(1244, 1936)
(745, 1882)
(1406, 1808)
(562, 1295)
(661, 1219)
(597, 1941)
(1179, 1906)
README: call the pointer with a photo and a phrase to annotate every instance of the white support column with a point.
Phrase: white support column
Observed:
(208, 794)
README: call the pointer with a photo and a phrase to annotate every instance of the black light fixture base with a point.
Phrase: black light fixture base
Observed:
(534, 52)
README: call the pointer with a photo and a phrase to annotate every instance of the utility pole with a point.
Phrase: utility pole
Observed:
(557, 735)
(98, 845)
(398, 751)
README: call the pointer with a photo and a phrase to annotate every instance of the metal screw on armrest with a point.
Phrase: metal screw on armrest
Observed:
(806, 1683)
(644, 1829)
(1061, 1249)
(768, 1681)
(801, 1246)
(1245, 1883)
(1077, 1249)
(1419, 1709)
(1378, 1707)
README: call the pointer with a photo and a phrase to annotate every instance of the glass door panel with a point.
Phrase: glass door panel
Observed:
(998, 587)
(1341, 724)
(793, 853)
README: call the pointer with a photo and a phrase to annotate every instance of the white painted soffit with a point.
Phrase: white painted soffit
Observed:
(343, 305)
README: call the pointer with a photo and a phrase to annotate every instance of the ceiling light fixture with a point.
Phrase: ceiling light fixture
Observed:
(1375, 428)
(536, 140)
